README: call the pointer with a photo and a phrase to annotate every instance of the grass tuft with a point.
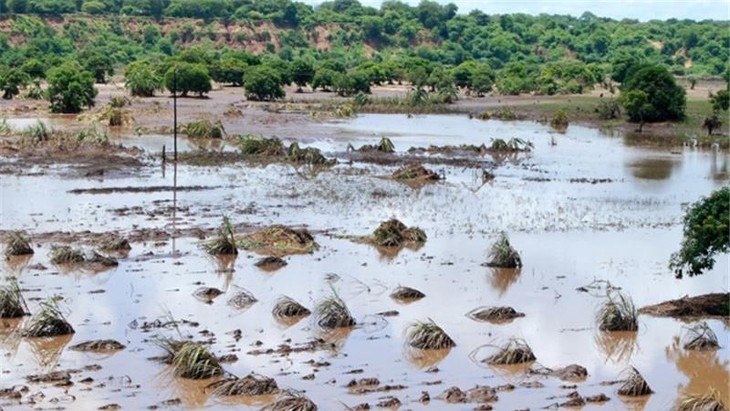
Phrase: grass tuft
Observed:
(114, 243)
(287, 307)
(426, 335)
(48, 321)
(515, 351)
(189, 359)
(333, 313)
(12, 304)
(700, 337)
(393, 233)
(242, 300)
(512, 145)
(278, 240)
(66, 255)
(415, 172)
(261, 146)
(17, 244)
(204, 129)
(635, 385)
(710, 401)
(291, 401)
(617, 313)
(494, 314)
(503, 255)
(246, 386)
(384, 146)
(406, 294)
(225, 243)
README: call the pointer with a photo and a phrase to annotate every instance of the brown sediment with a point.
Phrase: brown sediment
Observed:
(98, 346)
(279, 240)
(701, 306)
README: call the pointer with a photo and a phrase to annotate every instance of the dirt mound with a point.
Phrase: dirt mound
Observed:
(393, 233)
(279, 240)
(102, 346)
(708, 305)
(415, 173)
(494, 314)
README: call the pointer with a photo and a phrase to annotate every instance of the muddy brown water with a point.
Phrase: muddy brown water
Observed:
(569, 234)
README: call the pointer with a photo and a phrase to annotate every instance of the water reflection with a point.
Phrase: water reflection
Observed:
(336, 338)
(719, 173)
(703, 369)
(192, 393)
(10, 335)
(423, 359)
(17, 264)
(618, 346)
(501, 279)
(652, 168)
(47, 350)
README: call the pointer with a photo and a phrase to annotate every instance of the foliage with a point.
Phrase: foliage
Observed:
(332, 312)
(302, 72)
(706, 233)
(185, 77)
(11, 81)
(263, 83)
(711, 123)
(226, 241)
(204, 129)
(560, 120)
(664, 99)
(720, 101)
(228, 71)
(142, 80)
(70, 88)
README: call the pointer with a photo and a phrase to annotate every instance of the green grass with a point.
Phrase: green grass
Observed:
(48, 321)
(12, 304)
(17, 244)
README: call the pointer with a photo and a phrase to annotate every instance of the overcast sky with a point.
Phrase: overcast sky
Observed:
(617, 9)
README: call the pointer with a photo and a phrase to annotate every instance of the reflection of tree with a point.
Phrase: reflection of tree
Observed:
(652, 168)
(47, 350)
(617, 347)
(703, 369)
(390, 253)
(425, 358)
(502, 279)
(719, 173)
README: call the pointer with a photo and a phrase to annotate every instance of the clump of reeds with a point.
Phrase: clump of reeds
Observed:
(635, 385)
(189, 359)
(242, 299)
(393, 233)
(248, 385)
(426, 335)
(66, 255)
(494, 314)
(700, 337)
(114, 243)
(261, 146)
(225, 243)
(515, 351)
(17, 244)
(617, 313)
(560, 120)
(503, 255)
(12, 304)
(510, 146)
(291, 401)
(38, 132)
(406, 294)
(710, 401)
(333, 313)
(49, 321)
(287, 307)
(204, 129)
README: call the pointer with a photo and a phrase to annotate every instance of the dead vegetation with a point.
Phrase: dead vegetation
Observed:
(394, 234)
(270, 263)
(273, 149)
(291, 401)
(332, 312)
(66, 255)
(245, 386)
(426, 335)
(406, 294)
(513, 145)
(242, 300)
(225, 242)
(635, 385)
(188, 359)
(101, 346)
(515, 351)
(115, 243)
(12, 304)
(617, 313)
(503, 255)
(207, 294)
(494, 314)
(415, 173)
(384, 146)
(708, 305)
(710, 401)
(17, 243)
(700, 337)
(49, 321)
(204, 129)
(279, 240)
(287, 308)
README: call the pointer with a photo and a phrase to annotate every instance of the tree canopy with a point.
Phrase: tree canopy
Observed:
(664, 98)
(70, 88)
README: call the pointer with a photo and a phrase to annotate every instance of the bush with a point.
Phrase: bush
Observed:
(70, 88)
(263, 83)
(190, 78)
(141, 79)
(11, 81)
(665, 99)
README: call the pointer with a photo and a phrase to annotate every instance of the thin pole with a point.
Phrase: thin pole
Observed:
(174, 111)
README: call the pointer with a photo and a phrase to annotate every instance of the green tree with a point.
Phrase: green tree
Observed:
(666, 98)
(720, 101)
(70, 88)
(34, 68)
(706, 233)
(141, 79)
(228, 71)
(263, 83)
(636, 103)
(11, 81)
(324, 79)
(98, 63)
(302, 73)
(184, 78)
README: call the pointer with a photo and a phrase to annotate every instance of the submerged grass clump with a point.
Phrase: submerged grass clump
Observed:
(17, 244)
(635, 385)
(393, 233)
(700, 337)
(114, 243)
(204, 129)
(308, 155)
(515, 351)
(291, 401)
(66, 255)
(426, 335)
(384, 146)
(287, 307)
(189, 359)
(503, 255)
(12, 304)
(617, 313)
(245, 386)
(225, 243)
(710, 401)
(494, 314)
(333, 313)
(406, 294)
(261, 146)
(48, 321)
(512, 145)
(279, 240)
(415, 172)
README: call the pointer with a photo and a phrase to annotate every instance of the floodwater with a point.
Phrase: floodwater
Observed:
(585, 208)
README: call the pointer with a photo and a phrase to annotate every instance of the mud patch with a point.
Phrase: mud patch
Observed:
(701, 306)
(101, 346)
(152, 189)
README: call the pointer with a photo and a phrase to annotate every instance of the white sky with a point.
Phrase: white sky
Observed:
(617, 9)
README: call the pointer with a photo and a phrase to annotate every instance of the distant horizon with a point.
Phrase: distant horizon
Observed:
(643, 10)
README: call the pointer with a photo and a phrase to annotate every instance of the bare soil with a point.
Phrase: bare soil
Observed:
(701, 306)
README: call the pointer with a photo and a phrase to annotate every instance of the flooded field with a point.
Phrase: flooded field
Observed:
(583, 208)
